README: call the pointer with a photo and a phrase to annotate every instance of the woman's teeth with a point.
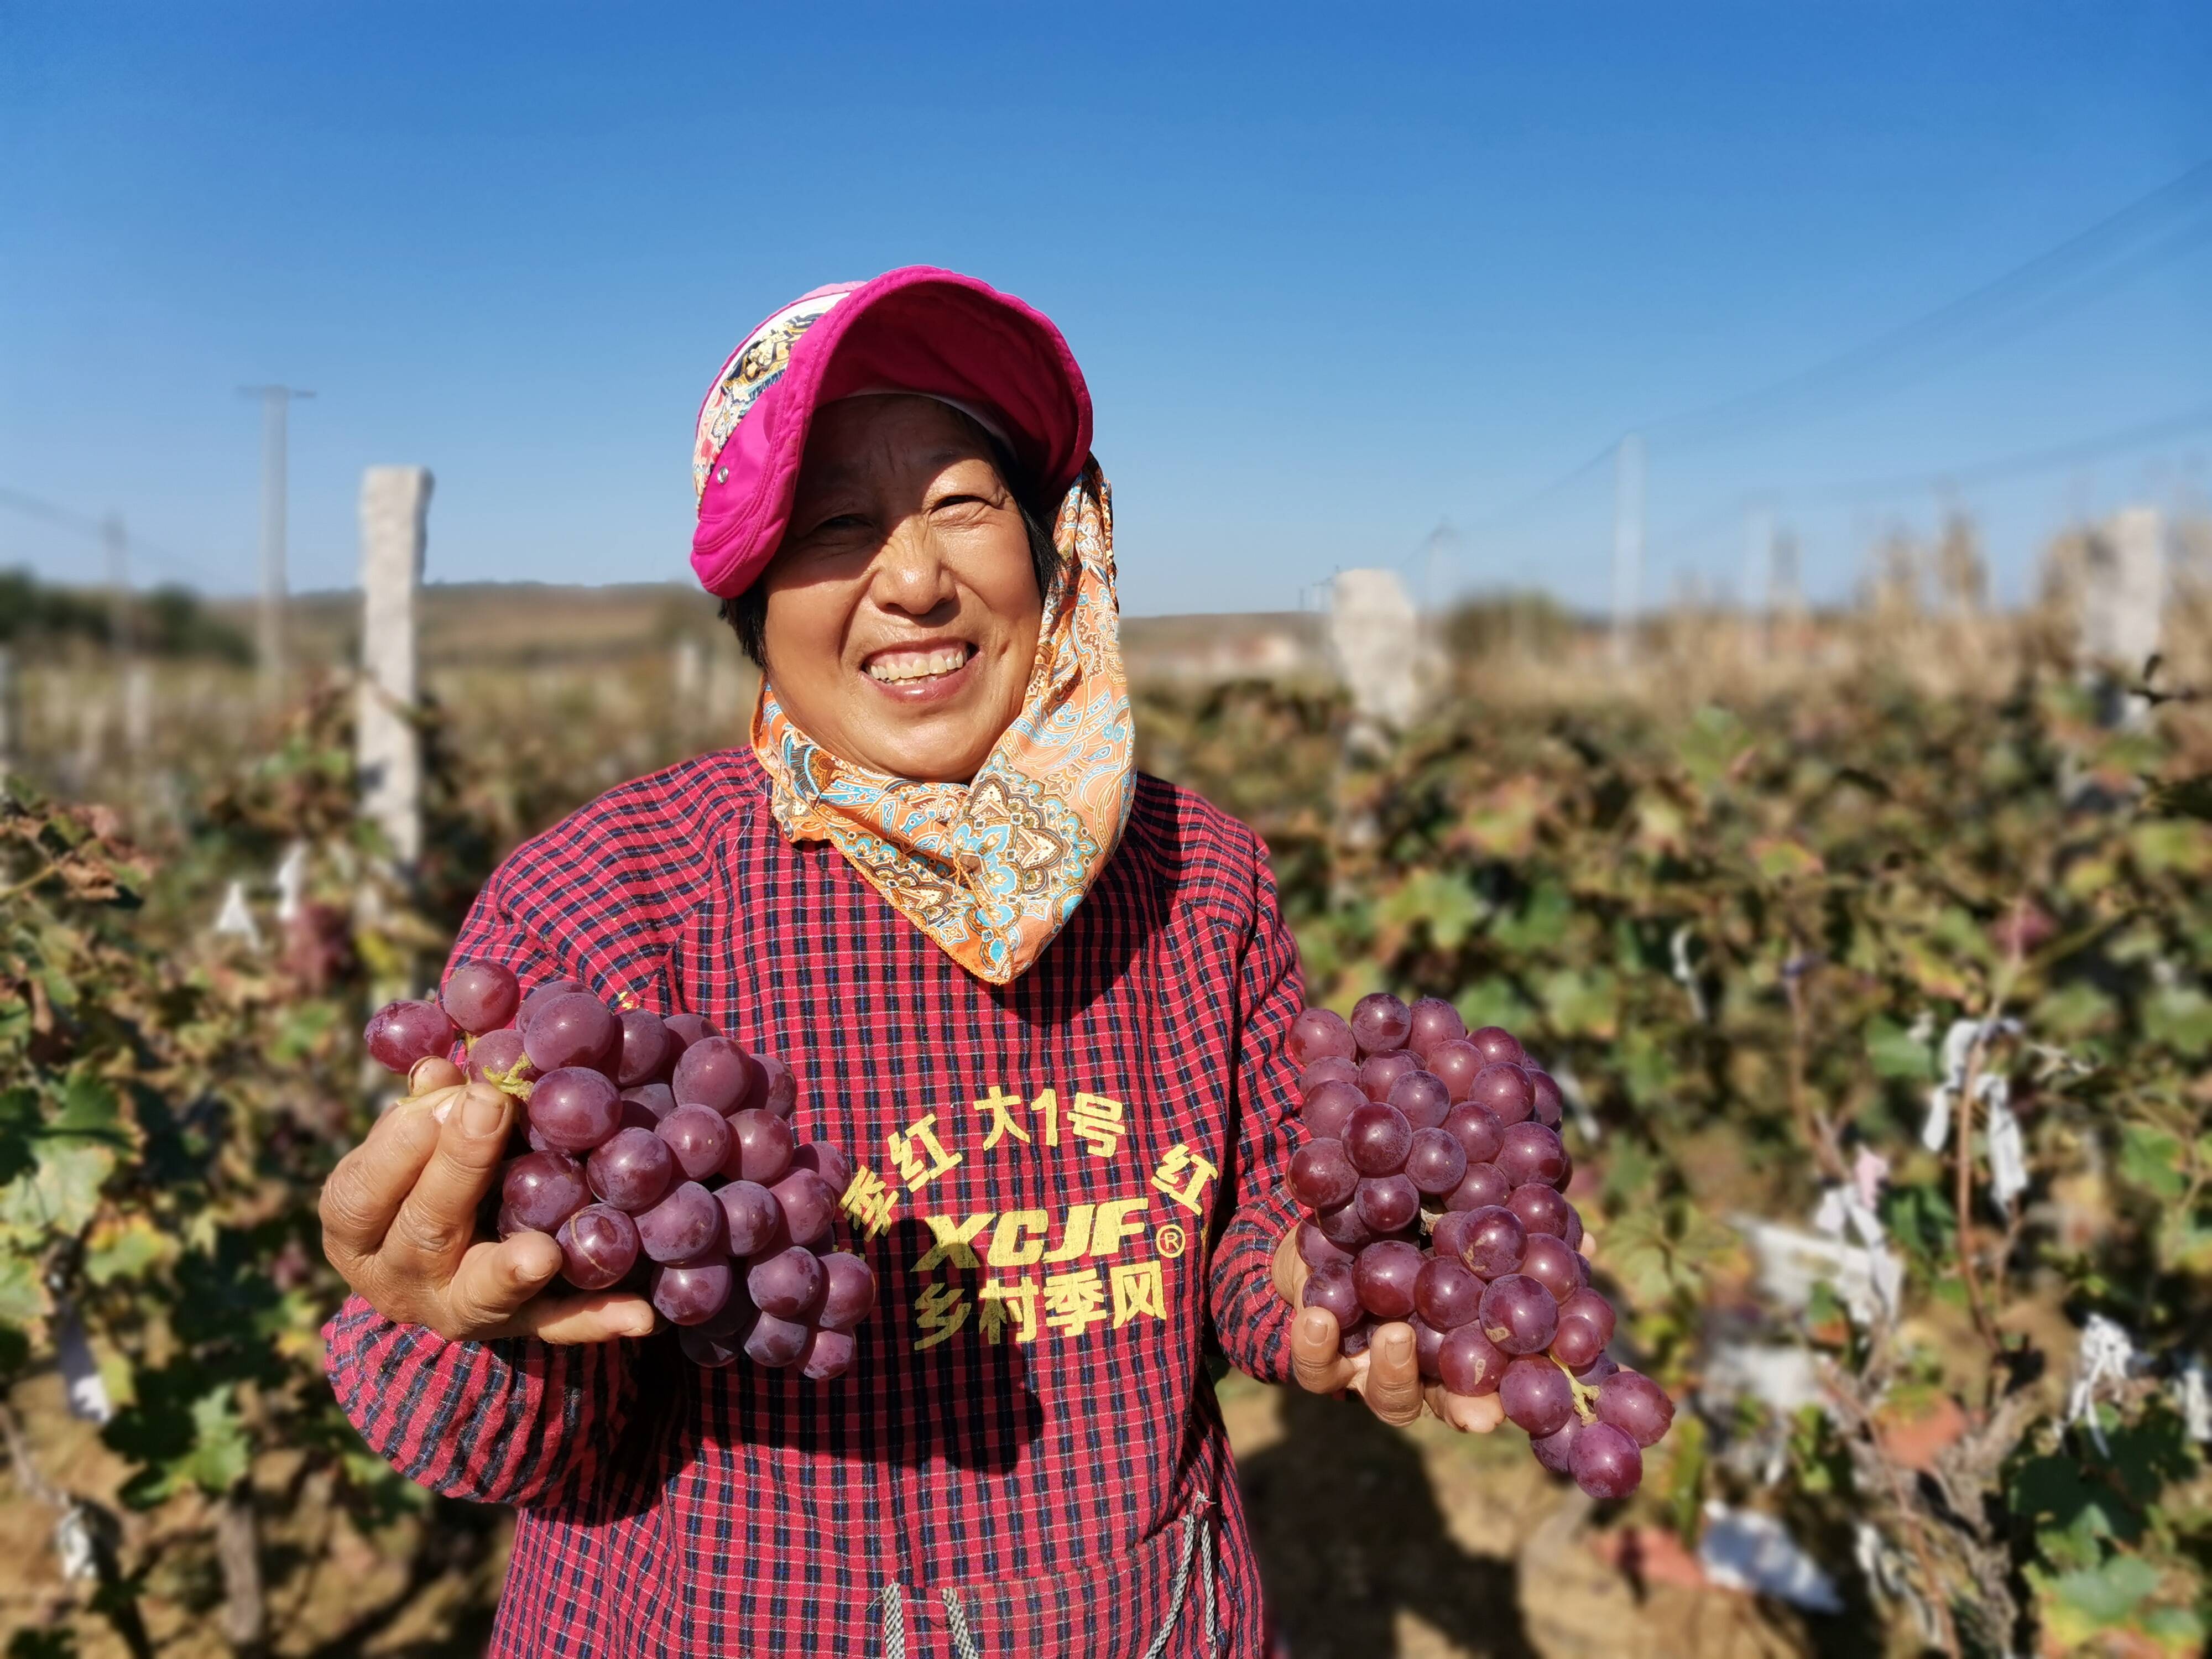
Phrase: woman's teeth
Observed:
(895, 665)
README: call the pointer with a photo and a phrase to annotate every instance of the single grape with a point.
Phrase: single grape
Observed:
(1482, 1188)
(1556, 1451)
(1505, 1090)
(685, 1225)
(1435, 1162)
(692, 1292)
(1541, 1209)
(574, 1109)
(1531, 1155)
(790, 1284)
(809, 1207)
(543, 1190)
(1380, 1073)
(1330, 1107)
(750, 1213)
(1605, 1462)
(648, 1053)
(1446, 1293)
(779, 1088)
(1342, 1227)
(1598, 1370)
(703, 1345)
(1329, 1068)
(1420, 1096)
(497, 1058)
(597, 1247)
(1547, 1259)
(1334, 1289)
(1546, 1103)
(1537, 1396)
(1635, 1405)
(1430, 1021)
(1454, 1064)
(1314, 1250)
(505, 1224)
(1388, 1204)
(1491, 1243)
(1377, 1140)
(631, 1170)
(1380, 1022)
(716, 1072)
(1586, 1304)
(848, 1290)
(687, 1028)
(1469, 1362)
(636, 1115)
(1573, 1234)
(575, 1030)
(1576, 1344)
(1317, 1033)
(761, 1147)
(776, 1342)
(826, 1161)
(1428, 1349)
(1384, 1274)
(1477, 1129)
(544, 994)
(1322, 1176)
(1354, 1340)
(1519, 1314)
(480, 996)
(400, 1033)
(655, 1100)
(699, 1138)
(826, 1354)
(1495, 1043)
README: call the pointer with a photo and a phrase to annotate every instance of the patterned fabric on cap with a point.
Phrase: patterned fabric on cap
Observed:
(753, 368)
(991, 869)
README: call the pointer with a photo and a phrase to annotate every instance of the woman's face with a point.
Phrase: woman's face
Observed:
(902, 608)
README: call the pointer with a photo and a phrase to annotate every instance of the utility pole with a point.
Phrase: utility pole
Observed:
(117, 540)
(1627, 542)
(276, 401)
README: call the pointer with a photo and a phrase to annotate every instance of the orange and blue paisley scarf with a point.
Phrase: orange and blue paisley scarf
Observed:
(991, 869)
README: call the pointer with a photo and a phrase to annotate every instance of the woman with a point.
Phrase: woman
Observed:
(1041, 998)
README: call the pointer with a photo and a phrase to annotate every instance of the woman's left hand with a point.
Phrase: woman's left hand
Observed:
(1387, 1376)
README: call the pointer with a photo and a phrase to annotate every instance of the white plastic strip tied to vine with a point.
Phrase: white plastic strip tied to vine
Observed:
(1958, 1048)
(2107, 1354)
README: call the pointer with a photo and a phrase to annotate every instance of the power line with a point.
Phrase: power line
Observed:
(85, 524)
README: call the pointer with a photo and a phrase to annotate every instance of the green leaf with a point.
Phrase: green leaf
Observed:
(1895, 1052)
(2152, 1159)
(2107, 1595)
(58, 1199)
(90, 1108)
(20, 1122)
(2181, 1017)
(1443, 900)
(21, 1297)
(1711, 744)
(1540, 922)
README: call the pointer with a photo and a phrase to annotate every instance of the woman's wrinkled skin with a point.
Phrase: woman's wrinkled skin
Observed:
(902, 608)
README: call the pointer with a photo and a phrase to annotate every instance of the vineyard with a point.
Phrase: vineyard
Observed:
(1872, 953)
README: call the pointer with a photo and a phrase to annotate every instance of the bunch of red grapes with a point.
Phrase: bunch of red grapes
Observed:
(659, 1156)
(1434, 1181)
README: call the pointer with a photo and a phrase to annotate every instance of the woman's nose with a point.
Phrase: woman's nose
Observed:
(910, 576)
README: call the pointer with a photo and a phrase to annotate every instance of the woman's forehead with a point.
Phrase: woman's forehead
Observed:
(860, 438)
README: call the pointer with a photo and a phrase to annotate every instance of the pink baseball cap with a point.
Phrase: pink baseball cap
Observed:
(916, 329)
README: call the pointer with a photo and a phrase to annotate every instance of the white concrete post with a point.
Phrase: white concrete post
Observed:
(1376, 638)
(2123, 591)
(395, 505)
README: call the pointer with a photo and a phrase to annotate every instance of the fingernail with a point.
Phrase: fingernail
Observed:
(482, 1113)
(642, 1325)
(1401, 1344)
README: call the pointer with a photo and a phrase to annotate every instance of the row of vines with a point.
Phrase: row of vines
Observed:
(1764, 942)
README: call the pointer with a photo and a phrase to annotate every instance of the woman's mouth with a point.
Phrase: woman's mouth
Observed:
(922, 674)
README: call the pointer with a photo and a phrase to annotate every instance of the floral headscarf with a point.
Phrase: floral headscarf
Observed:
(993, 869)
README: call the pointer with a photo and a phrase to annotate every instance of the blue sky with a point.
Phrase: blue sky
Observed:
(1338, 276)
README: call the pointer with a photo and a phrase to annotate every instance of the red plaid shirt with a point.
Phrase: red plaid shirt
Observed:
(1069, 1185)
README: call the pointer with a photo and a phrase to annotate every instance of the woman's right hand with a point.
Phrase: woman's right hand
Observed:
(399, 1219)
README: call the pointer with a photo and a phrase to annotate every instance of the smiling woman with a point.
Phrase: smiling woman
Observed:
(899, 620)
(1056, 994)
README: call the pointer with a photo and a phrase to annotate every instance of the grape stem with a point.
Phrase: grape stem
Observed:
(1584, 1395)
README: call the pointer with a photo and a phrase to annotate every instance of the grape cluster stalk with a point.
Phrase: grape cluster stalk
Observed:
(1433, 1179)
(659, 1155)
